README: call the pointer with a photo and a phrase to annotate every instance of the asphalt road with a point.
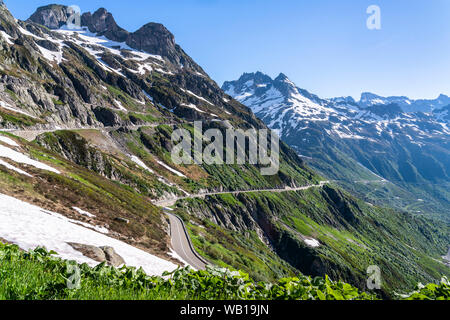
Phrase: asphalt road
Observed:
(172, 201)
(31, 134)
(181, 243)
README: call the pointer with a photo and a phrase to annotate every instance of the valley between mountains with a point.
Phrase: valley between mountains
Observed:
(86, 118)
(390, 151)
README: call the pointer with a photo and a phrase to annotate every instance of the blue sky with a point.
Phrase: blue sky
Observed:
(324, 46)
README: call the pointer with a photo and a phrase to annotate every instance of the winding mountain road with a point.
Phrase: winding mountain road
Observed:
(172, 201)
(181, 242)
(31, 134)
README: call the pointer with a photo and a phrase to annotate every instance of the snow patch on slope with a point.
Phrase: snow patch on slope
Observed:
(50, 55)
(140, 163)
(96, 45)
(192, 106)
(23, 159)
(120, 105)
(9, 141)
(7, 37)
(175, 255)
(6, 106)
(313, 243)
(178, 173)
(29, 226)
(11, 167)
(196, 96)
(83, 213)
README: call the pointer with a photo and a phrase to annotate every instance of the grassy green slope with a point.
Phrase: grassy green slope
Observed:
(353, 236)
(105, 198)
(262, 233)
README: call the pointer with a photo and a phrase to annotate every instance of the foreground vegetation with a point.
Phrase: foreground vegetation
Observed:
(353, 236)
(38, 274)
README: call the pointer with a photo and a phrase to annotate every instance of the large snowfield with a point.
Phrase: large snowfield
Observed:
(30, 226)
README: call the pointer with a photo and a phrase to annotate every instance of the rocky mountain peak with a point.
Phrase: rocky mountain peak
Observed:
(102, 22)
(245, 81)
(368, 98)
(281, 77)
(259, 91)
(4, 12)
(285, 85)
(154, 38)
(406, 104)
(248, 81)
(443, 100)
(258, 77)
(53, 16)
(261, 85)
(8, 23)
(343, 100)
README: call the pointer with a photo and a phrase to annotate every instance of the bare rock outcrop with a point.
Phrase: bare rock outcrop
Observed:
(100, 254)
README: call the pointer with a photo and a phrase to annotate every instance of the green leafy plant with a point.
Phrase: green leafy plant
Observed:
(430, 291)
(39, 275)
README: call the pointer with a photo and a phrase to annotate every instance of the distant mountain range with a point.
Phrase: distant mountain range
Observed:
(388, 139)
(408, 105)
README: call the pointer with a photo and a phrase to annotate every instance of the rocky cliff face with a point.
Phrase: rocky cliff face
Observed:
(52, 16)
(99, 74)
(153, 38)
(7, 21)
(103, 23)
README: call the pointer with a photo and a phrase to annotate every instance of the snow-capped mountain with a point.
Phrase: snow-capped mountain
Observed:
(284, 106)
(277, 102)
(391, 138)
(406, 104)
